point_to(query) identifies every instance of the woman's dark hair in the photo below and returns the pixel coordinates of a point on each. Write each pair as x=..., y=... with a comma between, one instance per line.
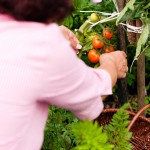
x=37, y=10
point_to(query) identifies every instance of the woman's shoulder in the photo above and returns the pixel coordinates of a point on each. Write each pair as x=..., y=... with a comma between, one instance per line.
x=31, y=28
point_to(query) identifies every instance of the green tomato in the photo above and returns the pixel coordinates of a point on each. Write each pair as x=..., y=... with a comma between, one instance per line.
x=94, y=17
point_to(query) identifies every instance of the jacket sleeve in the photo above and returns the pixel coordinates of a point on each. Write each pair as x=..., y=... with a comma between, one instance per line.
x=69, y=83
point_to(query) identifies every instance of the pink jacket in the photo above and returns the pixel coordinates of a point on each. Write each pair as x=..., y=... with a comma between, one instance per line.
x=38, y=67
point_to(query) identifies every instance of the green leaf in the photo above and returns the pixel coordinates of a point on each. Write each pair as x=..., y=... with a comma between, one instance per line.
x=147, y=6
x=129, y=5
x=68, y=22
x=132, y=14
x=142, y=40
x=87, y=46
x=145, y=34
x=138, y=48
x=80, y=4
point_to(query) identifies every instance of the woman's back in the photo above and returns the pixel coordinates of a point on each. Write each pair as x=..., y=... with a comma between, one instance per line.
x=22, y=55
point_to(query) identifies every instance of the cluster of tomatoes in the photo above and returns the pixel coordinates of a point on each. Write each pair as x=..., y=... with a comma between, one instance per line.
x=101, y=45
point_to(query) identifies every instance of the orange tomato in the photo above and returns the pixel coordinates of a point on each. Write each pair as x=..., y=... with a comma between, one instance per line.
x=109, y=48
x=108, y=33
x=97, y=42
x=93, y=56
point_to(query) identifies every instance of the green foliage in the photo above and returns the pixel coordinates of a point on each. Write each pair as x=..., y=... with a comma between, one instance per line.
x=134, y=9
x=68, y=22
x=90, y=136
x=79, y=5
x=142, y=42
x=58, y=133
x=137, y=9
x=114, y=136
x=105, y=5
x=128, y=12
x=117, y=130
x=134, y=104
x=130, y=79
x=76, y=19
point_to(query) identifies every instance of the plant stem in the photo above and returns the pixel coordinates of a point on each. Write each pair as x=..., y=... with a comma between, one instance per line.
x=84, y=26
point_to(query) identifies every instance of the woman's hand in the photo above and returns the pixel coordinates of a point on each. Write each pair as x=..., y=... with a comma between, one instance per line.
x=118, y=59
x=69, y=35
x=115, y=63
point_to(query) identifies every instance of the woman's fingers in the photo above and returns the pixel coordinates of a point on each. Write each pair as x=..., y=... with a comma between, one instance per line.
x=124, y=54
x=70, y=36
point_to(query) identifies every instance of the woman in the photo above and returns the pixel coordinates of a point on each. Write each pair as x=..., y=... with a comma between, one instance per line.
x=38, y=67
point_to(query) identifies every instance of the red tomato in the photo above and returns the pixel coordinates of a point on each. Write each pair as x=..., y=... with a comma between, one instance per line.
x=98, y=42
x=108, y=33
x=109, y=48
x=93, y=56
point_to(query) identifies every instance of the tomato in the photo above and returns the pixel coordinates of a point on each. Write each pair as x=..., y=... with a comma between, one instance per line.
x=97, y=42
x=109, y=48
x=94, y=17
x=108, y=33
x=93, y=56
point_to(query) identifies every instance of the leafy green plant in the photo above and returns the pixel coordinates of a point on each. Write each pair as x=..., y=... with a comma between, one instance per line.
x=114, y=136
x=90, y=136
x=58, y=134
x=117, y=130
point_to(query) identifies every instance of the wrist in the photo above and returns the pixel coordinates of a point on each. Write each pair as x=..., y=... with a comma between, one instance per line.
x=110, y=67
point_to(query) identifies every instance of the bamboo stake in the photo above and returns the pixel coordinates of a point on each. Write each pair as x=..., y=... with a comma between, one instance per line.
x=140, y=74
x=122, y=83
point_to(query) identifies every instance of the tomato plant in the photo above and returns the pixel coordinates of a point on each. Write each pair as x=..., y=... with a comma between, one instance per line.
x=108, y=33
x=93, y=56
x=98, y=42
